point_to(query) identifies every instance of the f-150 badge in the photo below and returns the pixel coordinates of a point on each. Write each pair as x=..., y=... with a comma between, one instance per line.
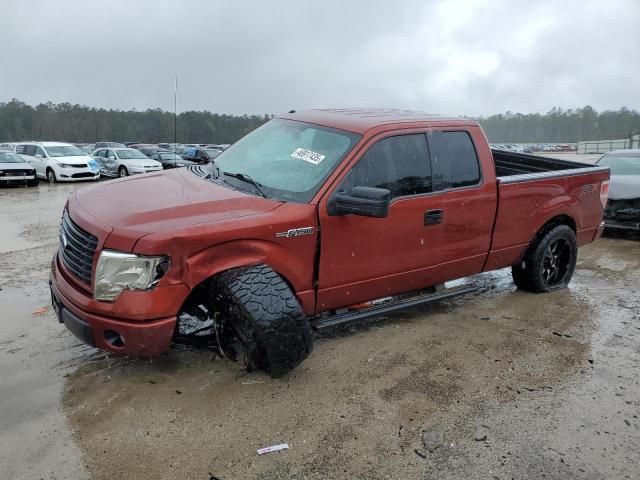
x=295, y=232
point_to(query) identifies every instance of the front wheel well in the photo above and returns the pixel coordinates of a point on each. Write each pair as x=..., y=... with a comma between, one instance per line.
x=198, y=290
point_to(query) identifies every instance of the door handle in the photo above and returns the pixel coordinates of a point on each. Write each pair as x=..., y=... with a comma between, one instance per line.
x=433, y=217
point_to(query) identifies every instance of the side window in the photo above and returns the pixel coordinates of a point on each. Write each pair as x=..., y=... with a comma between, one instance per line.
x=30, y=150
x=399, y=164
x=40, y=151
x=100, y=153
x=111, y=153
x=453, y=159
x=21, y=149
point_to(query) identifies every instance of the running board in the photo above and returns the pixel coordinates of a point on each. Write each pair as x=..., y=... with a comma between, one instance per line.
x=391, y=306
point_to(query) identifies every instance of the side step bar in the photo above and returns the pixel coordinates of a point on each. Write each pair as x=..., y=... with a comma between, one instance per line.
x=391, y=306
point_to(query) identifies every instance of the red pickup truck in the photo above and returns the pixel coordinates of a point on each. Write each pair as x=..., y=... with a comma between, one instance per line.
x=315, y=219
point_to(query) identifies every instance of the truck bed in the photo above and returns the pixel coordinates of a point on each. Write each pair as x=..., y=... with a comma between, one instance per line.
x=531, y=191
x=510, y=164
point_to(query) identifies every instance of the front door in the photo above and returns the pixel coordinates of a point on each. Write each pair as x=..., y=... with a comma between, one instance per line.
x=438, y=227
x=365, y=258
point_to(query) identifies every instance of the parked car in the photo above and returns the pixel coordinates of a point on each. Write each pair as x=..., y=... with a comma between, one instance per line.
x=85, y=147
x=14, y=170
x=59, y=162
x=109, y=145
x=8, y=146
x=200, y=155
x=122, y=162
x=171, y=160
x=313, y=220
x=149, y=150
x=623, y=207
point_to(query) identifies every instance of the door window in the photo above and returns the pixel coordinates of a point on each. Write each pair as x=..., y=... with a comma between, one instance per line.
x=111, y=153
x=29, y=150
x=400, y=164
x=453, y=159
x=40, y=151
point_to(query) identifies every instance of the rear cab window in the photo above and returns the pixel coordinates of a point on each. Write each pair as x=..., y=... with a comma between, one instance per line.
x=454, y=160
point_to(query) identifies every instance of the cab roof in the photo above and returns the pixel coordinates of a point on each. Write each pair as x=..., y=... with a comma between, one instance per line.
x=359, y=120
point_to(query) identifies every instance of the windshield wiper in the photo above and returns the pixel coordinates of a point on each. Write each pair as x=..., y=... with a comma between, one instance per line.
x=246, y=178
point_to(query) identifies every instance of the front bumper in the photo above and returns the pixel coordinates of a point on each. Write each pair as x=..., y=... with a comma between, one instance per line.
x=137, y=171
x=75, y=174
x=17, y=179
x=129, y=336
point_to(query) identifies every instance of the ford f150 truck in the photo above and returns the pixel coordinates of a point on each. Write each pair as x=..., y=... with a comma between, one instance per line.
x=315, y=219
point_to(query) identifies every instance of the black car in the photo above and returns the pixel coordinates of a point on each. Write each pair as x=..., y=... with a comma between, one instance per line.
x=623, y=205
x=171, y=160
x=201, y=155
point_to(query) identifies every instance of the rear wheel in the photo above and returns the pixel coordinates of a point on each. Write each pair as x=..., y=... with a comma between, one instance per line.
x=123, y=172
x=549, y=263
x=51, y=176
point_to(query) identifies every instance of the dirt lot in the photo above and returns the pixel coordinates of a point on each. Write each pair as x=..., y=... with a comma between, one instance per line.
x=519, y=385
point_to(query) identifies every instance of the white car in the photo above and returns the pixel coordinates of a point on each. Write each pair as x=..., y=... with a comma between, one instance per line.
x=122, y=162
x=14, y=170
x=59, y=162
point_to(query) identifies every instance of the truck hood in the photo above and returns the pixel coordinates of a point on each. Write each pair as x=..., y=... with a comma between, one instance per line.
x=624, y=187
x=137, y=206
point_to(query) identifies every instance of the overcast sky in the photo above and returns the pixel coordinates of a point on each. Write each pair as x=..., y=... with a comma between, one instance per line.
x=451, y=56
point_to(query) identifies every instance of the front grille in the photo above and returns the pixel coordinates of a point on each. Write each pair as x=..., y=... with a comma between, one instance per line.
x=83, y=175
x=77, y=249
x=79, y=165
x=14, y=173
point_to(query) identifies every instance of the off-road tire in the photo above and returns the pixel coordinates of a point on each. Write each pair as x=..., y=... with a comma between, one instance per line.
x=267, y=316
x=530, y=274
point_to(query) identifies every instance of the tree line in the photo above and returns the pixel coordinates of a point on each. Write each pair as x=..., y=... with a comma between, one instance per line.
x=82, y=124
x=561, y=126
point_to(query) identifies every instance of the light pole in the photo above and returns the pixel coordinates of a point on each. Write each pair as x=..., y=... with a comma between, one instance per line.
x=175, y=114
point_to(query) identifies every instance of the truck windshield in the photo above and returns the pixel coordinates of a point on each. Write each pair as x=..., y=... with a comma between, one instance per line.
x=288, y=159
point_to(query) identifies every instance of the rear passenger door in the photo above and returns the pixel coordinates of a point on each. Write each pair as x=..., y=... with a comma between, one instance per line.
x=467, y=199
x=28, y=152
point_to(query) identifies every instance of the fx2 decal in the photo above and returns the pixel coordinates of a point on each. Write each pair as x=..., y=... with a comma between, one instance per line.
x=296, y=232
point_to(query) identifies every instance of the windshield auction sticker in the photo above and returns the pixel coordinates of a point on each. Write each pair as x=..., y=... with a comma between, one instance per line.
x=308, y=156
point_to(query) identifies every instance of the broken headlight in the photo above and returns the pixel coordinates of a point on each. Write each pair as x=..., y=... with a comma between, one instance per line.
x=118, y=271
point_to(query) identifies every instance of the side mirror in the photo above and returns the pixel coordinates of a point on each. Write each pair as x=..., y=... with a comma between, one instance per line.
x=112, y=158
x=363, y=201
x=39, y=157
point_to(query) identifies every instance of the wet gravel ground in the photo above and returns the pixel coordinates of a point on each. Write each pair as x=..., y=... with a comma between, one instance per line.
x=516, y=385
